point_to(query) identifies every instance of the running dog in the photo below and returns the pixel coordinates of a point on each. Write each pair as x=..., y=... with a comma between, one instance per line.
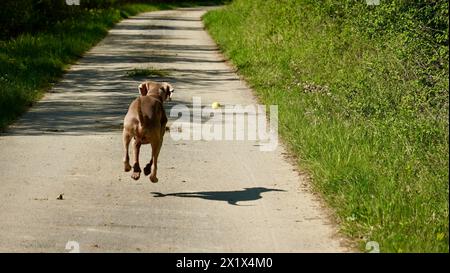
x=146, y=122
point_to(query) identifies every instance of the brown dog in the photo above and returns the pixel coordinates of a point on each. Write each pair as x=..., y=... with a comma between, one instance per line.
x=146, y=121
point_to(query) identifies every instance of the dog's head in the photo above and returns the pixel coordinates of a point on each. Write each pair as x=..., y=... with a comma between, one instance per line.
x=163, y=89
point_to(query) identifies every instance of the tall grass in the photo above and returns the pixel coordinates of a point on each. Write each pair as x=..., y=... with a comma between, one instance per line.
x=366, y=113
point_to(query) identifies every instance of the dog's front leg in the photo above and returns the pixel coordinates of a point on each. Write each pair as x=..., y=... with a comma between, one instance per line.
x=136, y=168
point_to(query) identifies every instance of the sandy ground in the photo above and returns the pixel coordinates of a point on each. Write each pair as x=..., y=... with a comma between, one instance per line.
x=212, y=196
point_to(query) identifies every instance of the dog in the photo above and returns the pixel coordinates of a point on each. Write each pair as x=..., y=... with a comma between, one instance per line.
x=146, y=122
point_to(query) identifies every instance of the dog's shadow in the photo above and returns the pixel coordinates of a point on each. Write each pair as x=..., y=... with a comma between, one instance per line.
x=231, y=197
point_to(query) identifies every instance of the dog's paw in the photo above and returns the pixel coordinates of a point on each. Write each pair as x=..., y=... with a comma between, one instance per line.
x=127, y=167
x=154, y=179
x=136, y=175
x=147, y=169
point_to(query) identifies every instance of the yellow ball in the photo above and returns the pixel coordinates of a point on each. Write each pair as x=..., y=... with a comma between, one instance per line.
x=215, y=105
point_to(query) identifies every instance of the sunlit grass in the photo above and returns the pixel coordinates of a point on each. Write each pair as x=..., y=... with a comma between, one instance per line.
x=352, y=112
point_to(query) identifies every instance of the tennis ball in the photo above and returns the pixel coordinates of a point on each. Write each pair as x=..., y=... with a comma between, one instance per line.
x=215, y=105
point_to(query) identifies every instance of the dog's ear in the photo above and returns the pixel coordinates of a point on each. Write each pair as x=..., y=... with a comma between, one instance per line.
x=165, y=91
x=170, y=90
x=143, y=89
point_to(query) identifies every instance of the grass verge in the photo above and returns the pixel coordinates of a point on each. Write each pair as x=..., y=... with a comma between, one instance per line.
x=356, y=109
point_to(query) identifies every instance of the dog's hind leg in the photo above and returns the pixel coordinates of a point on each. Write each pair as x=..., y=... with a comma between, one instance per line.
x=156, y=147
x=126, y=145
x=136, y=168
x=148, y=167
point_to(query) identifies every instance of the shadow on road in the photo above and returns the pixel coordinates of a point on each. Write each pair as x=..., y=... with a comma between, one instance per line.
x=231, y=197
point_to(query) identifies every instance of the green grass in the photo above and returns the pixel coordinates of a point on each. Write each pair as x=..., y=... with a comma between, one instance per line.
x=356, y=112
x=147, y=72
x=31, y=63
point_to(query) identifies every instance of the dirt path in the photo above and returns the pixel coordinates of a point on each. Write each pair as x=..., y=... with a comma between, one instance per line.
x=211, y=196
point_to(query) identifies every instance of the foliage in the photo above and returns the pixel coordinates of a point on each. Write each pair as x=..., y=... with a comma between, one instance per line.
x=363, y=102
